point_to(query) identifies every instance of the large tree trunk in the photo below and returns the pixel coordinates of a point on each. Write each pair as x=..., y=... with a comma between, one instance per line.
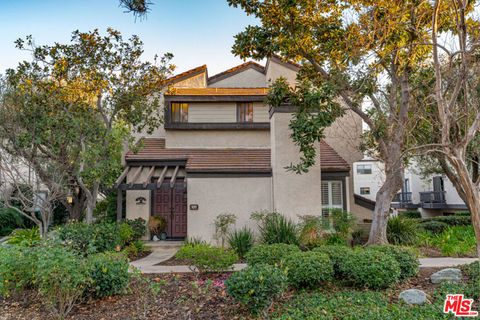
x=394, y=178
x=91, y=202
x=77, y=207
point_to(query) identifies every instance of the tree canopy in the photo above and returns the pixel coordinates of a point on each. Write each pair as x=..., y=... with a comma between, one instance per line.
x=77, y=104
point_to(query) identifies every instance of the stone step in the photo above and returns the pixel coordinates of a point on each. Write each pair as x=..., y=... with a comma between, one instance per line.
x=164, y=244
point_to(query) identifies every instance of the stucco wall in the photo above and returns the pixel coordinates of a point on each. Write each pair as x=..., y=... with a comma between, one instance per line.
x=214, y=196
x=218, y=139
x=344, y=136
x=250, y=78
x=293, y=194
x=276, y=70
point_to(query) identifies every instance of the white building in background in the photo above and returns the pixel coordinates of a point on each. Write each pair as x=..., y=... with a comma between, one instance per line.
x=432, y=196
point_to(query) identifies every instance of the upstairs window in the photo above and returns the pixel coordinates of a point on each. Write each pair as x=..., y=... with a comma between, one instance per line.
x=364, y=169
x=179, y=112
x=365, y=190
x=245, y=112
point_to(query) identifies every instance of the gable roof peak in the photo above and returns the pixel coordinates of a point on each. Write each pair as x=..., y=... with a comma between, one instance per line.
x=188, y=74
x=237, y=69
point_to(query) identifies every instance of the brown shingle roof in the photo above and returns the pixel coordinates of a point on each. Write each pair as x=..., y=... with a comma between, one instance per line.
x=219, y=91
x=206, y=160
x=236, y=69
x=187, y=74
x=227, y=160
x=330, y=160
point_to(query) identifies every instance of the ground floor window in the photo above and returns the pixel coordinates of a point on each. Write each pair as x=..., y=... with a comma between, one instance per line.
x=332, y=196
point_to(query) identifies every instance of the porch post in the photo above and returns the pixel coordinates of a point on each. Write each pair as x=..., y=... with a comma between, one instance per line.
x=119, y=204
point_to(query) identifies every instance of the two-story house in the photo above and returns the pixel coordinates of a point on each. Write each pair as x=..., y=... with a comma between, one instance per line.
x=223, y=150
x=431, y=195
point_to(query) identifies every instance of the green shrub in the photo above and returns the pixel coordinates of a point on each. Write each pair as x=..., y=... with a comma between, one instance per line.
x=109, y=274
x=337, y=255
x=125, y=231
x=206, y=258
x=402, y=231
x=61, y=278
x=434, y=226
x=271, y=254
x=359, y=236
x=17, y=269
x=10, y=219
x=412, y=214
x=455, y=241
x=406, y=258
x=135, y=248
x=24, y=237
x=257, y=286
x=91, y=238
x=276, y=228
x=371, y=269
x=342, y=222
x=106, y=236
x=456, y=220
x=78, y=236
x=463, y=214
x=241, y=241
x=139, y=227
x=308, y=269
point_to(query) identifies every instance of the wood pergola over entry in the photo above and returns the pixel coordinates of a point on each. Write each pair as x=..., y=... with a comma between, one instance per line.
x=168, y=193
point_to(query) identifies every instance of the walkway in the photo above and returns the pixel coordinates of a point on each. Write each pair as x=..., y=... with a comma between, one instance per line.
x=444, y=262
x=165, y=250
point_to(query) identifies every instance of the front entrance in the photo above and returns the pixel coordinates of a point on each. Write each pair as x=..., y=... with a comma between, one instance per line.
x=171, y=204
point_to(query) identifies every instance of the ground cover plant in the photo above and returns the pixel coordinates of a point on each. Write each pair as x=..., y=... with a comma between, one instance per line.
x=206, y=258
x=454, y=241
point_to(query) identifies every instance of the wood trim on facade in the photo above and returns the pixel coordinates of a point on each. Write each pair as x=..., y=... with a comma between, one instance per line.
x=217, y=126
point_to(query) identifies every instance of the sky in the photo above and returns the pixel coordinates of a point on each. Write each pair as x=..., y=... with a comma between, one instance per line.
x=196, y=32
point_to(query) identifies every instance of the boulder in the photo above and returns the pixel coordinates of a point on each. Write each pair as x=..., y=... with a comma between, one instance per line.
x=449, y=274
x=413, y=296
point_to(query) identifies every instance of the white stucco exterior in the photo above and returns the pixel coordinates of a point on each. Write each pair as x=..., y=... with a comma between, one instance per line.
x=210, y=194
x=414, y=183
x=214, y=196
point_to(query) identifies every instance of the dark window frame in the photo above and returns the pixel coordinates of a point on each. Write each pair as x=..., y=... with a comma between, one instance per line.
x=242, y=108
x=362, y=189
x=364, y=169
x=177, y=117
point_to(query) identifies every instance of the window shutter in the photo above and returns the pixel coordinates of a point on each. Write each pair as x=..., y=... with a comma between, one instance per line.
x=337, y=194
x=325, y=200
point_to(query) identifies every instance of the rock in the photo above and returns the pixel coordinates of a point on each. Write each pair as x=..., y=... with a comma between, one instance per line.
x=413, y=296
x=449, y=274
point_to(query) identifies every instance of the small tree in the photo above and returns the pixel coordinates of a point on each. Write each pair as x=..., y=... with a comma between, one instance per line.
x=222, y=223
x=77, y=104
x=29, y=197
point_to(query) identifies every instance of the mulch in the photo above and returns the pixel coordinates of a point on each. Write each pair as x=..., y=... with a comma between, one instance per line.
x=182, y=296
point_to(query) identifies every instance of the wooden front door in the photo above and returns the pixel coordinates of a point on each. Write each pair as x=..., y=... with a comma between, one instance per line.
x=171, y=204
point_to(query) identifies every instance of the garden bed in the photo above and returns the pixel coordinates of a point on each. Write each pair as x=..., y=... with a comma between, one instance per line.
x=183, y=296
